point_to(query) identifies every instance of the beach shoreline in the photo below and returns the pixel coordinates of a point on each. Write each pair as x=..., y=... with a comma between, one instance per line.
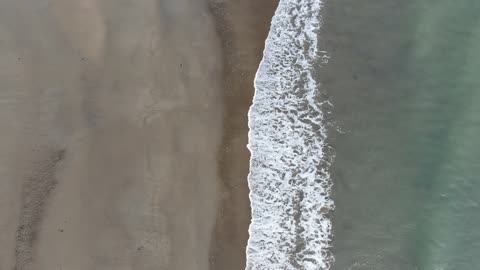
x=242, y=27
x=124, y=133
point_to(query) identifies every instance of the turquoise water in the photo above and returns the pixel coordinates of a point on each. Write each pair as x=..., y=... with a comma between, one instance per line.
x=404, y=77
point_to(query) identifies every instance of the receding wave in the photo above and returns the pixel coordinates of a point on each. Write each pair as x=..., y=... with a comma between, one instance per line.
x=289, y=179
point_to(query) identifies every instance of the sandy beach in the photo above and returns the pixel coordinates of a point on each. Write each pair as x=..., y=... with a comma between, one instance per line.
x=123, y=127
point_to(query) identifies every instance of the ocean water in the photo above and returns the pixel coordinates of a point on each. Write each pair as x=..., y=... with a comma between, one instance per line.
x=398, y=102
x=403, y=78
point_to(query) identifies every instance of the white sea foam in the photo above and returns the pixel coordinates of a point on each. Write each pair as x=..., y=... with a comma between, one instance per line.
x=289, y=179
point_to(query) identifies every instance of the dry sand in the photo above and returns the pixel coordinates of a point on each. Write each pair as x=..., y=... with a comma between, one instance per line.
x=123, y=132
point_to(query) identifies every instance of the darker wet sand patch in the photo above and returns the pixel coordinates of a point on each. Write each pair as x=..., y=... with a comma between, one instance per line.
x=36, y=192
x=242, y=27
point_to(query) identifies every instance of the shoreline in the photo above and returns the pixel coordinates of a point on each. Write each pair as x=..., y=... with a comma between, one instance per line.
x=242, y=50
x=124, y=133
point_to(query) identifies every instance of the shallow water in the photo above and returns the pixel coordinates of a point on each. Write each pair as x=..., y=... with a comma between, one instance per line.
x=403, y=79
x=289, y=184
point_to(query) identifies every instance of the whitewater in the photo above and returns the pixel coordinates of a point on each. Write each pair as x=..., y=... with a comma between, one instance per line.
x=289, y=176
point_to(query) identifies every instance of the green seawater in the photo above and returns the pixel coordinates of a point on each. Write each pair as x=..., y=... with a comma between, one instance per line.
x=404, y=77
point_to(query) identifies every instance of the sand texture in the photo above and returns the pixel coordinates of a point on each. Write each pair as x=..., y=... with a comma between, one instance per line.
x=123, y=130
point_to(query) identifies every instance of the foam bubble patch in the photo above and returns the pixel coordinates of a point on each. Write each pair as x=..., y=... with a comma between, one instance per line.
x=289, y=179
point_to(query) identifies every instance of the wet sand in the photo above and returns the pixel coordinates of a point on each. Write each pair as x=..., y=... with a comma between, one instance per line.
x=242, y=27
x=123, y=132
